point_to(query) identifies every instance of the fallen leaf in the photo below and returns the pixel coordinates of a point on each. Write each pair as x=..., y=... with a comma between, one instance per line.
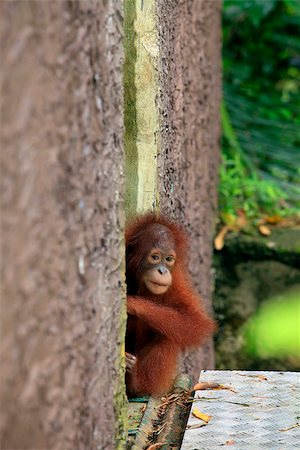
x=215, y=386
x=197, y=413
x=264, y=230
x=230, y=442
x=290, y=428
x=202, y=386
x=273, y=219
x=259, y=377
x=228, y=388
x=219, y=239
x=262, y=378
x=155, y=446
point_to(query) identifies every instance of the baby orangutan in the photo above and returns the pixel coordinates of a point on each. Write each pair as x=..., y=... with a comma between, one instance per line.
x=164, y=312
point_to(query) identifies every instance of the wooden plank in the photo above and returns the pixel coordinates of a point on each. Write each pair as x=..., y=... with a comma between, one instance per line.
x=162, y=419
x=146, y=427
x=135, y=415
x=177, y=414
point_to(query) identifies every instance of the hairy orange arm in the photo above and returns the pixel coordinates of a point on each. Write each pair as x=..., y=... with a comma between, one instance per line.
x=184, y=325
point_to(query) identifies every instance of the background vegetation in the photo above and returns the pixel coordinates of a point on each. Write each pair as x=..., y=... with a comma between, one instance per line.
x=260, y=173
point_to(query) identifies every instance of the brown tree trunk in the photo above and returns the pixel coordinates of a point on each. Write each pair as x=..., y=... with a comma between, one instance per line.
x=62, y=287
x=190, y=82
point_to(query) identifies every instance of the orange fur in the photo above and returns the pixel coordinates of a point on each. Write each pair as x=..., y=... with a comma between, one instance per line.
x=160, y=326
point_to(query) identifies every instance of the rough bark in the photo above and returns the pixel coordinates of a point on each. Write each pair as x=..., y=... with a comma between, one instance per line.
x=62, y=256
x=190, y=81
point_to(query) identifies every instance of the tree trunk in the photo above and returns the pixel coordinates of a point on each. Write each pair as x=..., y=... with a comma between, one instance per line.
x=62, y=299
x=190, y=85
x=172, y=76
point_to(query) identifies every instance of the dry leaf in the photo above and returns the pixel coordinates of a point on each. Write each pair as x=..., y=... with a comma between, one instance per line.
x=228, y=388
x=273, y=219
x=259, y=377
x=197, y=413
x=202, y=386
x=230, y=442
x=291, y=428
x=262, y=377
x=264, y=230
x=155, y=446
x=219, y=239
x=215, y=386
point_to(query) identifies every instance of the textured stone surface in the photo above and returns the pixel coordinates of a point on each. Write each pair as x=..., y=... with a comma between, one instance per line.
x=189, y=101
x=61, y=175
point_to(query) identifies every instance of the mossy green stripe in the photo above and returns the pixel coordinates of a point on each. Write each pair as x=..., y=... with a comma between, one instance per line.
x=141, y=111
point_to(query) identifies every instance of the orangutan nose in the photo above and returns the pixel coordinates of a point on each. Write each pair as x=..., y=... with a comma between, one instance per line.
x=162, y=269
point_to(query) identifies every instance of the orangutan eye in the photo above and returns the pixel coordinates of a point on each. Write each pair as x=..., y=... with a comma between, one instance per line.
x=155, y=257
x=170, y=259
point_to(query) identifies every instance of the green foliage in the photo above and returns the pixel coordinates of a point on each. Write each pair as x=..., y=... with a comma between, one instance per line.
x=240, y=190
x=260, y=112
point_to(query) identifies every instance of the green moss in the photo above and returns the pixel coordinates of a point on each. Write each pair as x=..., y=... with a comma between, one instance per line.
x=130, y=114
x=120, y=399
